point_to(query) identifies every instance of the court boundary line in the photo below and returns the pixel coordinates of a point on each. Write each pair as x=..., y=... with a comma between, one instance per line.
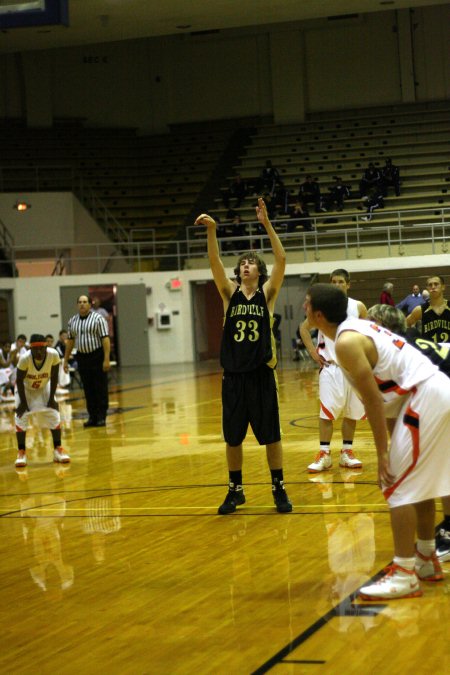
x=350, y=609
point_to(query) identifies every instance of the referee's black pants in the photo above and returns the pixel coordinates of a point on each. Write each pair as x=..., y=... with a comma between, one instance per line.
x=95, y=383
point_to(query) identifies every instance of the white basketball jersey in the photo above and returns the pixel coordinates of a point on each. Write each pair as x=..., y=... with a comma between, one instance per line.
x=38, y=376
x=400, y=366
x=325, y=346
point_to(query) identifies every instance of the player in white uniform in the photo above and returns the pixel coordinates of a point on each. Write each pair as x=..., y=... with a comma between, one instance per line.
x=399, y=384
x=336, y=396
x=37, y=377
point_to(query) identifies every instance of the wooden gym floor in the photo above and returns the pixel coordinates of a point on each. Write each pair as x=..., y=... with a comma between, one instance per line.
x=120, y=563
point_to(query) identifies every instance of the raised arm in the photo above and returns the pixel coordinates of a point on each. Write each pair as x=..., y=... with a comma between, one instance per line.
x=224, y=285
x=273, y=284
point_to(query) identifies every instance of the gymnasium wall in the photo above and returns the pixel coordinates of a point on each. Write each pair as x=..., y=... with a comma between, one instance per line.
x=37, y=303
x=283, y=71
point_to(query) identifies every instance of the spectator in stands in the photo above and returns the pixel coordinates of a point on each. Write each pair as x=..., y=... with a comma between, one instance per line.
x=374, y=200
x=390, y=175
x=225, y=230
x=310, y=193
x=49, y=340
x=337, y=194
x=299, y=217
x=270, y=206
x=412, y=300
x=268, y=179
x=386, y=294
x=237, y=190
x=370, y=180
x=280, y=197
x=238, y=229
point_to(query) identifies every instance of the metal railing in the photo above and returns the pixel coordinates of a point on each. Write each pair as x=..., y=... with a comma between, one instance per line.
x=339, y=244
x=329, y=232
x=64, y=177
x=39, y=178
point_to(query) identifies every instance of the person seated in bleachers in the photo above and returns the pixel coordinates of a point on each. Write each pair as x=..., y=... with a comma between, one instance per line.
x=373, y=200
x=309, y=193
x=268, y=179
x=270, y=206
x=338, y=193
x=370, y=180
x=280, y=197
x=237, y=191
x=390, y=175
x=224, y=229
x=234, y=227
x=299, y=217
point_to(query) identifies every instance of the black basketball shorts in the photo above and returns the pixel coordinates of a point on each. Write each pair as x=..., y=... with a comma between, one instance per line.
x=250, y=398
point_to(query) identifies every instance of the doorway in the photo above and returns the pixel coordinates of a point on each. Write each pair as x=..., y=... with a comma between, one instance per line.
x=289, y=306
x=126, y=310
x=207, y=314
x=7, y=331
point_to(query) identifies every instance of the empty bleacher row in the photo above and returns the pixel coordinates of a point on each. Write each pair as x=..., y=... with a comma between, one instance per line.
x=145, y=182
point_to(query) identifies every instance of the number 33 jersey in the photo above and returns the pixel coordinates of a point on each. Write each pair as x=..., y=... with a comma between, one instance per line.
x=38, y=375
x=247, y=340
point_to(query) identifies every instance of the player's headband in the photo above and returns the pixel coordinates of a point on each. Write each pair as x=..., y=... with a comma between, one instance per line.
x=38, y=344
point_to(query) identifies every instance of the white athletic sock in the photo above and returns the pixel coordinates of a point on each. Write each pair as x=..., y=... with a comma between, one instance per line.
x=406, y=563
x=426, y=546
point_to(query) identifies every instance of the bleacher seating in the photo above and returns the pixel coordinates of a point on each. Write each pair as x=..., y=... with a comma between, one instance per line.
x=147, y=183
x=150, y=184
x=416, y=140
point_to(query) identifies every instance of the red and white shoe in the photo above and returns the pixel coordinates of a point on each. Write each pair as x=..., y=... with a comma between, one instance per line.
x=428, y=568
x=21, y=459
x=397, y=583
x=60, y=455
x=349, y=461
x=321, y=463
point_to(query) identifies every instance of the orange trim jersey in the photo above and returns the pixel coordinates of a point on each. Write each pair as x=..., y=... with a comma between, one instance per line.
x=400, y=367
x=38, y=376
x=325, y=346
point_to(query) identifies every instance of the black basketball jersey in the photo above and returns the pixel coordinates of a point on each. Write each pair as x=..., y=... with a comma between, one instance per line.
x=438, y=354
x=435, y=327
x=247, y=340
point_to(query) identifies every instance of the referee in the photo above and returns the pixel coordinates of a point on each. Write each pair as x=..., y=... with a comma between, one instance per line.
x=88, y=330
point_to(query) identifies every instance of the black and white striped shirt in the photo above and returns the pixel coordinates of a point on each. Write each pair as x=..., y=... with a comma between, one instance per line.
x=87, y=331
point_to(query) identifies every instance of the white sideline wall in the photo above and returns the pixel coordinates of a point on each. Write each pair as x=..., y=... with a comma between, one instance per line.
x=37, y=299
